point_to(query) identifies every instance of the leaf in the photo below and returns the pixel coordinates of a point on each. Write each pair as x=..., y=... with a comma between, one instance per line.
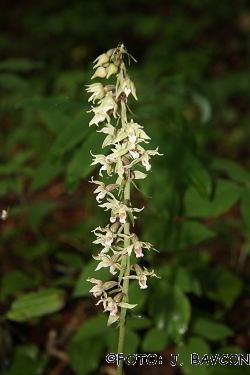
x=12, y=82
x=36, y=304
x=186, y=234
x=20, y=65
x=83, y=287
x=230, y=355
x=71, y=260
x=234, y=171
x=197, y=175
x=226, y=195
x=26, y=360
x=13, y=283
x=180, y=276
x=194, y=347
x=137, y=324
x=85, y=356
x=155, y=340
x=37, y=211
x=79, y=166
x=71, y=135
x=173, y=315
x=54, y=120
x=210, y=329
x=45, y=172
x=224, y=286
x=245, y=207
x=87, y=345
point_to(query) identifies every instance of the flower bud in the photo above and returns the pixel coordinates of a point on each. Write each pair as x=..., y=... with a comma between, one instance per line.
x=112, y=69
x=110, y=52
x=102, y=59
x=100, y=72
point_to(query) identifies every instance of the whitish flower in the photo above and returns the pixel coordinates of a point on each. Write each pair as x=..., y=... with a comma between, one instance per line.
x=101, y=287
x=106, y=239
x=106, y=162
x=106, y=104
x=127, y=87
x=98, y=91
x=111, y=305
x=102, y=190
x=141, y=275
x=107, y=261
x=99, y=117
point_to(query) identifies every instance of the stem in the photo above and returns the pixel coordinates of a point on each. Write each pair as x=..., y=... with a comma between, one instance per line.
x=125, y=286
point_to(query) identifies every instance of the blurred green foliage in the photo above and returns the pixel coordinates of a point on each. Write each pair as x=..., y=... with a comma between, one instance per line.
x=192, y=80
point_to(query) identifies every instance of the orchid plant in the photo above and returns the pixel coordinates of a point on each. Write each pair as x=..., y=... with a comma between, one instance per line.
x=124, y=162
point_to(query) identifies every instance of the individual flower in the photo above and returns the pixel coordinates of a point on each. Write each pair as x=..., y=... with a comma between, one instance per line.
x=99, y=117
x=106, y=104
x=107, y=261
x=106, y=239
x=100, y=72
x=102, y=190
x=111, y=304
x=127, y=87
x=98, y=91
x=100, y=287
x=141, y=275
x=106, y=162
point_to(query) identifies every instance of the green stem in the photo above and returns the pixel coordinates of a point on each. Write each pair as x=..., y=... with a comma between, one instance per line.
x=125, y=286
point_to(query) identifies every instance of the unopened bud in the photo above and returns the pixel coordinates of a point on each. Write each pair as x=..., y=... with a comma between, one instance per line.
x=100, y=72
x=112, y=69
x=110, y=52
x=101, y=60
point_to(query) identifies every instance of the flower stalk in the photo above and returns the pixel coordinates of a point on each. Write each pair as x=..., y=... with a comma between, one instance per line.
x=126, y=162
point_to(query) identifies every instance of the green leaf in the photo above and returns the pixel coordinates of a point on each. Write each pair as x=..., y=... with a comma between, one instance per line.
x=210, y=329
x=155, y=340
x=71, y=135
x=230, y=355
x=234, y=171
x=46, y=172
x=13, y=283
x=36, y=304
x=186, y=234
x=179, y=276
x=26, y=361
x=94, y=327
x=193, y=347
x=137, y=324
x=197, y=175
x=54, y=120
x=20, y=65
x=85, y=356
x=83, y=287
x=71, y=260
x=12, y=82
x=87, y=345
x=226, y=195
x=245, y=207
x=37, y=211
x=173, y=315
x=223, y=286
x=79, y=166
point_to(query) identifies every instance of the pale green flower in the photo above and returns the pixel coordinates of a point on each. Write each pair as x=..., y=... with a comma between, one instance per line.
x=107, y=261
